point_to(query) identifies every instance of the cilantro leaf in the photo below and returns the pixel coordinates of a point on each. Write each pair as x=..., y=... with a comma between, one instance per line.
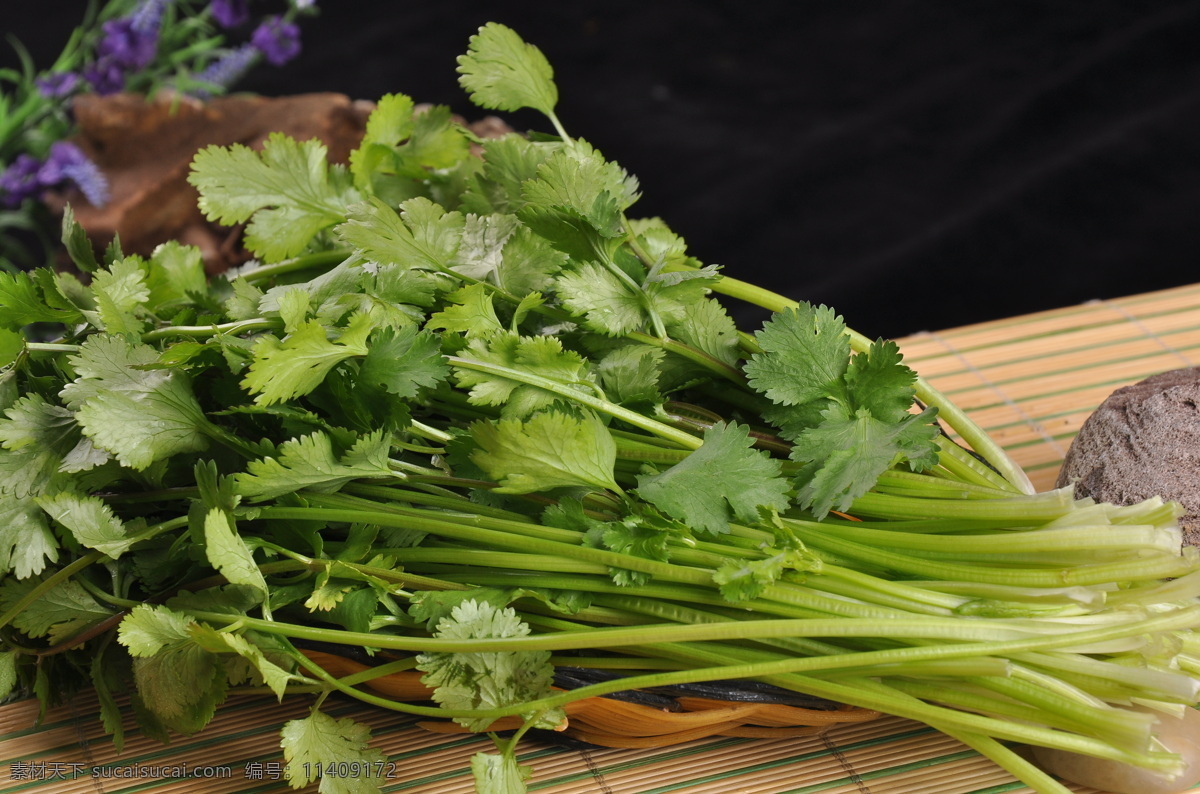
x=805, y=354
x=229, y=554
x=846, y=453
x=501, y=72
x=284, y=192
x=849, y=418
x=470, y=312
x=178, y=681
x=22, y=303
x=423, y=235
x=90, y=521
x=404, y=361
x=486, y=680
x=318, y=741
x=34, y=435
x=26, y=542
x=139, y=415
x=630, y=374
x=507, y=163
x=481, y=253
x=742, y=580
x=283, y=370
x=550, y=450
x=499, y=773
x=389, y=123
x=120, y=292
x=213, y=641
x=722, y=480
x=60, y=613
x=541, y=356
x=174, y=271
x=308, y=462
x=605, y=302
x=8, y=673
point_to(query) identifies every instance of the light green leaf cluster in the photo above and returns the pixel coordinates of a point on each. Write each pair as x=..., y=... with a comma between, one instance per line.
x=137, y=414
x=502, y=72
x=287, y=368
x=723, y=480
x=541, y=357
x=284, y=192
x=59, y=614
x=309, y=462
x=487, y=679
x=848, y=417
x=320, y=742
x=551, y=449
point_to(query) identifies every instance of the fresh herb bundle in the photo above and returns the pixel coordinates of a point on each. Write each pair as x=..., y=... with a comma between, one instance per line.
x=464, y=408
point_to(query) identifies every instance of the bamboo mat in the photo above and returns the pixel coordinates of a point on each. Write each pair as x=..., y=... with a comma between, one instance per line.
x=1029, y=381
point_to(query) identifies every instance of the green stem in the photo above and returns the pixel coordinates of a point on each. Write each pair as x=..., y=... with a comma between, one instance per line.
x=48, y=584
x=685, y=440
x=299, y=263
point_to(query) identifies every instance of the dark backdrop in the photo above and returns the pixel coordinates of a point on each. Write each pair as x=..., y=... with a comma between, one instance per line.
x=917, y=165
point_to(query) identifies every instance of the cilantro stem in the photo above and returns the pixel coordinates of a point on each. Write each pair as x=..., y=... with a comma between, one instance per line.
x=195, y=331
x=299, y=263
x=51, y=347
x=685, y=440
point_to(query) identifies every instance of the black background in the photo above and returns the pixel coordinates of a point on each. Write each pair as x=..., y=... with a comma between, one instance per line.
x=917, y=165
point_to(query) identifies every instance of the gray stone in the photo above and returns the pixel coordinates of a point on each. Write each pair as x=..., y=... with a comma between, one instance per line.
x=1143, y=441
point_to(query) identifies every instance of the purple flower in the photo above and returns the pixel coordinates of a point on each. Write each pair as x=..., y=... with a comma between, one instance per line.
x=230, y=13
x=277, y=39
x=226, y=70
x=57, y=84
x=20, y=180
x=146, y=19
x=67, y=163
x=105, y=76
x=124, y=46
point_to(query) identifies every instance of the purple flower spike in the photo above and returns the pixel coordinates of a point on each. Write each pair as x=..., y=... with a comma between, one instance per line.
x=146, y=20
x=57, y=85
x=20, y=180
x=230, y=13
x=105, y=76
x=277, y=39
x=125, y=46
x=67, y=163
x=227, y=70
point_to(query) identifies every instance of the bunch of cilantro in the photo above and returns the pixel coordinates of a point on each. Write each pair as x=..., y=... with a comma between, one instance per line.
x=464, y=412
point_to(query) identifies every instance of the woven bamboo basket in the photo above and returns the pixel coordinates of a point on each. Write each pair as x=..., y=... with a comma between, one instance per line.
x=657, y=719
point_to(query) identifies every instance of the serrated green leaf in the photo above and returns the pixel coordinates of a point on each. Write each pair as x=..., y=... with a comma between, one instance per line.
x=805, y=354
x=309, y=463
x=229, y=554
x=404, y=361
x=121, y=294
x=502, y=72
x=846, y=454
x=34, y=437
x=61, y=612
x=8, y=673
x=423, y=235
x=284, y=370
x=22, y=303
x=76, y=243
x=481, y=252
x=470, y=312
x=284, y=192
x=174, y=270
x=542, y=356
x=390, y=122
x=139, y=415
x=487, y=680
x=273, y=676
x=724, y=479
x=630, y=374
x=549, y=450
x=26, y=542
x=90, y=521
x=604, y=302
x=499, y=773
x=318, y=741
x=508, y=162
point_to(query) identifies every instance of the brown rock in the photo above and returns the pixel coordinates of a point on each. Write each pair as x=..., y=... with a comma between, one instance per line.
x=1143, y=441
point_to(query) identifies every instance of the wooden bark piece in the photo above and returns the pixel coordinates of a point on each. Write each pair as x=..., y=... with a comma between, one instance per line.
x=145, y=148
